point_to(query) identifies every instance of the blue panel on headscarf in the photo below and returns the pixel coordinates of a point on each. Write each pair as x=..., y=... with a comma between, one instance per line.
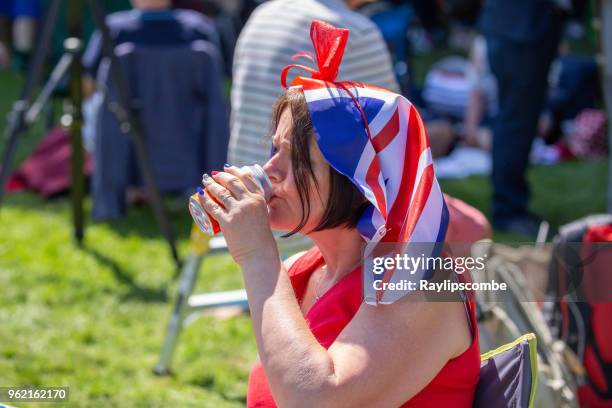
x=340, y=121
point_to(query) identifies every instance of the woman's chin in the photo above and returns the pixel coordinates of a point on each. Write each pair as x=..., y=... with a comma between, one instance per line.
x=279, y=224
x=276, y=215
x=275, y=222
x=280, y=219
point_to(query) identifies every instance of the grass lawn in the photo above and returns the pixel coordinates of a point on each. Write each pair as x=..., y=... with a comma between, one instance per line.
x=93, y=318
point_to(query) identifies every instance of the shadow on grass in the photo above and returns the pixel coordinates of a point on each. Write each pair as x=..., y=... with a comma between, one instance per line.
x=239, y=399
x=135, y=292
x=141, y=221
x=32, y=201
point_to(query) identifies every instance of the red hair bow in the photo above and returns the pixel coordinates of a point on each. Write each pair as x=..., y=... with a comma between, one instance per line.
x=328, y=42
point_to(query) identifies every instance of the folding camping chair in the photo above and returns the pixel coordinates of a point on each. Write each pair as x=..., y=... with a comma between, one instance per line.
x=509, y=375
x=505, y=315
x=188, y=306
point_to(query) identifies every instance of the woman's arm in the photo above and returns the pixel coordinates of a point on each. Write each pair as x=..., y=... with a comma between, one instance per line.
x=385, y=355
x=295, y=363
x=297, y=366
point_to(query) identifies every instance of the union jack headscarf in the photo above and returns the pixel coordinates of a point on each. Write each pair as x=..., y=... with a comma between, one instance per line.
x=377, y=139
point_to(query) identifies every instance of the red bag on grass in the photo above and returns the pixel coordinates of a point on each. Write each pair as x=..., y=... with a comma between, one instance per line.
x=47, y=170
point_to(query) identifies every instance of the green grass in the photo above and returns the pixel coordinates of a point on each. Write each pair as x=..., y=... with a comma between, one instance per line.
x=559, y=193
x=93, y=318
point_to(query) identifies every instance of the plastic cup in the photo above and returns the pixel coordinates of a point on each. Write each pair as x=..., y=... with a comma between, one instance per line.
x=206, y=222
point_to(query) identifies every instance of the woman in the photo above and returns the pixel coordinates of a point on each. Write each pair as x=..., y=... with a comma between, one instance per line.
x=319, y=344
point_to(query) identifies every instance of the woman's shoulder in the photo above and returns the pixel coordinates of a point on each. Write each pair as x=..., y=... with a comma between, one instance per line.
x=450, y=320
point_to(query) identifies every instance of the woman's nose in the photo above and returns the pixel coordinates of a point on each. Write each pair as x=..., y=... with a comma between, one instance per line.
x=272, y=170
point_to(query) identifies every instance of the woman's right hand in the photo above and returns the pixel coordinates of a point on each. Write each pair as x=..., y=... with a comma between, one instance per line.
x=242, y=213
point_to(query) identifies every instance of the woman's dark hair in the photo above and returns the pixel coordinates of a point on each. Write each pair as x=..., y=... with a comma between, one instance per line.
x=345, y=203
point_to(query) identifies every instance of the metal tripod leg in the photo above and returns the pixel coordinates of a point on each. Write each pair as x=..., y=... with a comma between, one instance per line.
x=128, y=119
x=16, y=123
x=28, y=114
x=23, y=115
x=74, y=46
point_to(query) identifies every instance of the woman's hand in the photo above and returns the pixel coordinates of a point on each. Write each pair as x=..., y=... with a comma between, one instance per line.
x=241, y=211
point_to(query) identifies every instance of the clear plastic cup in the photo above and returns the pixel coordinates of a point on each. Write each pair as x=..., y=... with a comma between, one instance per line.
x=206, y=222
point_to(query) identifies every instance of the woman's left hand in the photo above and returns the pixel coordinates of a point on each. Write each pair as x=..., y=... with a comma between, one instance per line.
x=242, y=214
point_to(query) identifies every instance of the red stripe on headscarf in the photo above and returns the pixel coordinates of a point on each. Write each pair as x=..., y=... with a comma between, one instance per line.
x=418, y=204
x=372, y=179
x=401, y=220
x=416, y=143
x=388, y=133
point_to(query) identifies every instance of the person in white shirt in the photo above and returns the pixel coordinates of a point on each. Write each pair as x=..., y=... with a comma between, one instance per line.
x=276, y=31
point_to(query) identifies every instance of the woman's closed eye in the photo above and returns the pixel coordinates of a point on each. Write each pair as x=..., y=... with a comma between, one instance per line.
x=279, y=147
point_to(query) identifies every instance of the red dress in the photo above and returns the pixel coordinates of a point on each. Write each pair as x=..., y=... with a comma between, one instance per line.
x=455, y=384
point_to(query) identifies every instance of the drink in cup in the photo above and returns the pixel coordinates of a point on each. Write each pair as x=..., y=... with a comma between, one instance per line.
x=206, y=222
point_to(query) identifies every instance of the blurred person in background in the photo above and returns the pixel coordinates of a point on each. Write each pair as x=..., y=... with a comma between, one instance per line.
x=156, y=34
x=276, y=31
x=19, y=20
x=522, y=39
x=482, y=103
x=151, y=22
x=226, y=16
x=5, y=43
